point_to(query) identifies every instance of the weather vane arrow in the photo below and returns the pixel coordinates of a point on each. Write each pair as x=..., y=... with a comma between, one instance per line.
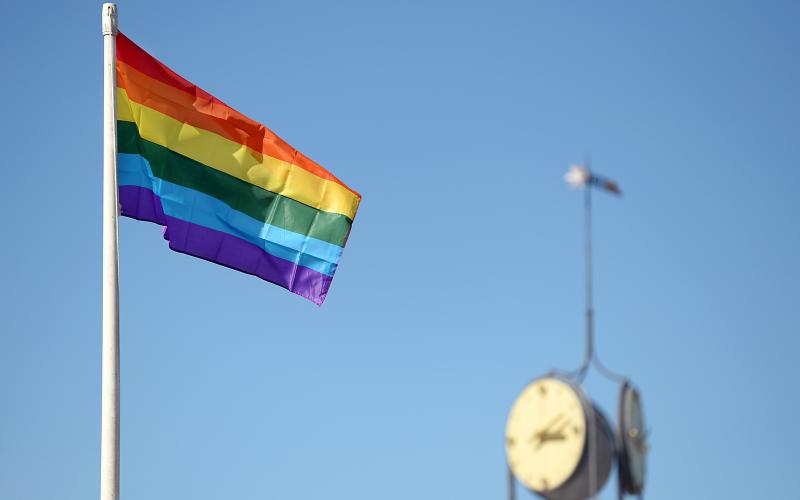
x=579, y=176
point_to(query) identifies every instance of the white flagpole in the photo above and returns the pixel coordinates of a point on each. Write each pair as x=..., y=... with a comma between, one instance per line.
x=109, y=448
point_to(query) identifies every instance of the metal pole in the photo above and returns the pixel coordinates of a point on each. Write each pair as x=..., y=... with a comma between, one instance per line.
x=588, y=256
x=591, y=448
x=587, y=209
x=512, y=485
x=587, y=228
x=109, y=448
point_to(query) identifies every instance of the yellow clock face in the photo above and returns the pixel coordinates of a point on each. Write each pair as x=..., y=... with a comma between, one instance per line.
x=545, y=434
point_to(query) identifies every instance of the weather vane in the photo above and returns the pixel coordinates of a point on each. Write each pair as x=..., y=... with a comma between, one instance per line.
x=559, y=443
x=581, y=177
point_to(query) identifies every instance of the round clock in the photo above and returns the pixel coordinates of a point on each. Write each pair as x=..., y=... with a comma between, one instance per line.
x=632, y=440
x=547, y=444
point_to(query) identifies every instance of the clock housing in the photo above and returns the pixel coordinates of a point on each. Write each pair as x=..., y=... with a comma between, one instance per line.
x=631, y=440
x=548, y=436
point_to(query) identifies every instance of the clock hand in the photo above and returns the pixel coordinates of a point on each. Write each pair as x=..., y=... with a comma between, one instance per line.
x=563, y=427
x=553, y=421
x=640, y=441
x=549, y=436
x=556, y=436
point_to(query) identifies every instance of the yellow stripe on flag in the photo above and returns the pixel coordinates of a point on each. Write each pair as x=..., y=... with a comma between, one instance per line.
x=237, y=160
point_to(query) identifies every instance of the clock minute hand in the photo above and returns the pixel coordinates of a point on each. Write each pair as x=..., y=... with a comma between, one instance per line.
x=544, y=430
x=563, y=426
x=553, y=421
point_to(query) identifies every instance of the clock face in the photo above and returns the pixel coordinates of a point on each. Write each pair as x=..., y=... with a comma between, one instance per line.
x=546, y=434
x=634, y=438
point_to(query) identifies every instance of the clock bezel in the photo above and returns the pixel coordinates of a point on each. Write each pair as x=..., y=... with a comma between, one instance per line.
x=629, y=395
x=577, y=393
x=578, y=481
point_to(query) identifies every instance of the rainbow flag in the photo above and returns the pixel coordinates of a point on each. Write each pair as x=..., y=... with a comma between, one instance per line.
x=226, y=188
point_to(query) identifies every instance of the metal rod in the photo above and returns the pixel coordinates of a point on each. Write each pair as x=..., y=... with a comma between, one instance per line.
x=587, y=209
x=591, y=449
x=591, y=351
x=512, y=485
x=587, y=232
x=109, y=447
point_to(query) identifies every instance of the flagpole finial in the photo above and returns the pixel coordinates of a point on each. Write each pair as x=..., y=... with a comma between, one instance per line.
x=109, y=19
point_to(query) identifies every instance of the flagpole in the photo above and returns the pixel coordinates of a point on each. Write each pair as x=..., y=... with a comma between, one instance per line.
x=109, y=448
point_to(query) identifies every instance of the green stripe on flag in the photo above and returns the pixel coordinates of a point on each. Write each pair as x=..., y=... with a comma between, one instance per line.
x=254, y=201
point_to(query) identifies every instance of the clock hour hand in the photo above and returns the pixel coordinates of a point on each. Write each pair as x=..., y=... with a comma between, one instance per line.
x=553, y=421
x=547, y=434
x=550, y=436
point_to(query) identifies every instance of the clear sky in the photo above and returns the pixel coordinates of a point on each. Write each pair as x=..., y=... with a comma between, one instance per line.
x=462, y=279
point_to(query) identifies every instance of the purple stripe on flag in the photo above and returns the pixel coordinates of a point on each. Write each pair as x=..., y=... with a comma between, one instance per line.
x=222, y=248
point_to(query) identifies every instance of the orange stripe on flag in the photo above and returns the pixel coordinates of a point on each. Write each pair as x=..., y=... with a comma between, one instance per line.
x=147, y=81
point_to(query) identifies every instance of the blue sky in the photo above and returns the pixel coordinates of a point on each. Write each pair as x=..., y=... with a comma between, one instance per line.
x=462, y=279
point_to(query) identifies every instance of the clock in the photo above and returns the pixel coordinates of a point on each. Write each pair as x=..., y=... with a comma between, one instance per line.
x=631, y=440
x=552, y=432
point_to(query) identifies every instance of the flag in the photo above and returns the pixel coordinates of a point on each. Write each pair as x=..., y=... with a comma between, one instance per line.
x=225, y=187
x=580, y=176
